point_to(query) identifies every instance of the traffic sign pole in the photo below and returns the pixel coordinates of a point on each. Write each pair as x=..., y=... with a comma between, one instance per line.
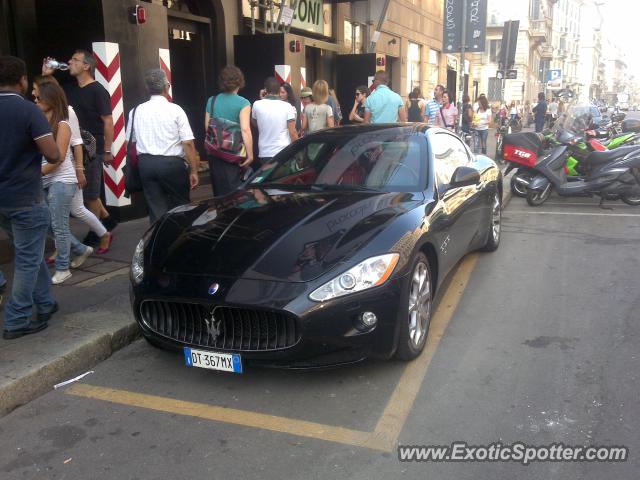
x=463, y=40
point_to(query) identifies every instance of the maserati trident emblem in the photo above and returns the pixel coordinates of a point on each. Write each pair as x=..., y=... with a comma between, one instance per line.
x=214, y=288
x=213, y=325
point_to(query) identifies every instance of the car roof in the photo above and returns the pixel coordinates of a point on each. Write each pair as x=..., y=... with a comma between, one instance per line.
x=356, y=129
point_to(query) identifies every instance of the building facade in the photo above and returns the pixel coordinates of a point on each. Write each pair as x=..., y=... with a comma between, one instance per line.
x=566, y=40
x=617, y=79
x=193, y=39
x=533, y=54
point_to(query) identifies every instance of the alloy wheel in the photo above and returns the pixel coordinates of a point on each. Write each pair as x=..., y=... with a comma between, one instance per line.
x=419, y=305
x=496, y=218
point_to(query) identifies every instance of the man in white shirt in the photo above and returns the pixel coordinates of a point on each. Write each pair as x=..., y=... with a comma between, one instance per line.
x=163, y=139
x=275, y=120
x=552, y=111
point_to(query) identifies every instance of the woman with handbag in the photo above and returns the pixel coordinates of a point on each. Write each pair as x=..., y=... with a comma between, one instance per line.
x=167, y=158
x=228, y=141
x=78, y=209
x=59, y=180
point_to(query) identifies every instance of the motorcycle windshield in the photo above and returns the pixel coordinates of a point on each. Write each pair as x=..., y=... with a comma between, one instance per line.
x=575, y=120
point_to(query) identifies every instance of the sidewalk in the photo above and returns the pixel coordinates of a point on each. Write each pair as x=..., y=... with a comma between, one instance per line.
x=93, y=322
x=94, y=319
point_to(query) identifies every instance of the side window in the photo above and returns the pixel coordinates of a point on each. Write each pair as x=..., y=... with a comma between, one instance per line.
x=449, y=153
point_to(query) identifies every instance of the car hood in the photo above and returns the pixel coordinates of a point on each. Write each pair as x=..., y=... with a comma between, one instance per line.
x=293, y=236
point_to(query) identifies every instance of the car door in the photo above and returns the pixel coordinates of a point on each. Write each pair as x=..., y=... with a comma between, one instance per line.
x=449, y=153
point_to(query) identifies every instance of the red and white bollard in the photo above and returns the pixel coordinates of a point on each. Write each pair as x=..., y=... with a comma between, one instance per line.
x=108, y=74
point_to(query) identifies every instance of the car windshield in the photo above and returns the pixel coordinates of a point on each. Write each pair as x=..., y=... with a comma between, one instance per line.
x=393, y=159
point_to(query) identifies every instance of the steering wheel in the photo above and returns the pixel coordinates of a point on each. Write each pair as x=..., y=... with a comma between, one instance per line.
x=414, y=174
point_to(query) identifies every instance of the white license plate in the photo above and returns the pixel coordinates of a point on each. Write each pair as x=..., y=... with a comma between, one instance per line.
x=226, y=362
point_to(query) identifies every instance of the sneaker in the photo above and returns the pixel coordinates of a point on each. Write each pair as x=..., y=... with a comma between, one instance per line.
x=60, y=276
x=31, y=328
x=80, y=259
x=91, y=239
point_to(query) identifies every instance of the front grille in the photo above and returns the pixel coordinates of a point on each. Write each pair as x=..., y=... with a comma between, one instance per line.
x=231, y=328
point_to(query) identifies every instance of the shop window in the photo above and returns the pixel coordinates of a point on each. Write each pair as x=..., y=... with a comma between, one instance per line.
x=413, y=67
x=352, y=33
x=495, y=89
x=434, y=68
x=494, y=50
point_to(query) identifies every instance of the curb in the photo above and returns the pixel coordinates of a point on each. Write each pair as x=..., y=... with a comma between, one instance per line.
x=40, y=381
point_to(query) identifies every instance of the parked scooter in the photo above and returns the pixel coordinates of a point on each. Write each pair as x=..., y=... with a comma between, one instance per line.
x=613, y=175
x=520, y=151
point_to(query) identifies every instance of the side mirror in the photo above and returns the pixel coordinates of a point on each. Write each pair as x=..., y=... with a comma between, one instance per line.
x=463, y=176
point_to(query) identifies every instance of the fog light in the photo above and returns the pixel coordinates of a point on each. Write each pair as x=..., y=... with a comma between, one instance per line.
x=368, y=319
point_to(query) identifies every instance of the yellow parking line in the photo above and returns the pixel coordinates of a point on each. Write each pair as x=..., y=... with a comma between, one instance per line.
x=220, y=414
x=388, y=428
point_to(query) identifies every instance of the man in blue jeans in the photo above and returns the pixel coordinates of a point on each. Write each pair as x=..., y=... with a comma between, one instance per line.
x=25, y=137
x=3, y=286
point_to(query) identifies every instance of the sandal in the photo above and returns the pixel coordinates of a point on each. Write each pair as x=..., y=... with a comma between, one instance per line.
x=103, y=250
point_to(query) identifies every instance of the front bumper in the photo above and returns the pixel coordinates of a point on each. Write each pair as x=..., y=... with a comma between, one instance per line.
x=328, y=333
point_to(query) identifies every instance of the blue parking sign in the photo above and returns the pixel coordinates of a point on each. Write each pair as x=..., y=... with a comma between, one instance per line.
x=554, y=75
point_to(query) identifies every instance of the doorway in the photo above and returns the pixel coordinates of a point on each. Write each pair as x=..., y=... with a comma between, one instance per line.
x=452, y=77
x=191, y=74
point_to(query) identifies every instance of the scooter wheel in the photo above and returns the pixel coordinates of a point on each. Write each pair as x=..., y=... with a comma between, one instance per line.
x=634, y=201
x=535, y=198
x=518, y=189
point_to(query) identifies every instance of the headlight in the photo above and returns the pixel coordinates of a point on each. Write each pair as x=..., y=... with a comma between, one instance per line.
x=370, y=273
x=137, y=263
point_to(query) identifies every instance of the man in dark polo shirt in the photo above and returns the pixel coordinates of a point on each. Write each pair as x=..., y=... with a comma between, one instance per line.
x=25, y=137
x=92, y=104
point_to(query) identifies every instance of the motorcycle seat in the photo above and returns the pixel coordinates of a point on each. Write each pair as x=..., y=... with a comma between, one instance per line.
x=598, y=158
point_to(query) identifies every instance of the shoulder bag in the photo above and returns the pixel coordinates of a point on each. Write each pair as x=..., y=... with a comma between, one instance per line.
x=132, y=180
x=223, y=138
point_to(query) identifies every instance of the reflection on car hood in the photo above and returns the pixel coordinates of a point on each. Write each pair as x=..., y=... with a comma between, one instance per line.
x=273, y=234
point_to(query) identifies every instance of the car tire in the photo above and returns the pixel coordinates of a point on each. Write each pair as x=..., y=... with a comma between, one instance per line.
x=416, y=316
x=495, y=225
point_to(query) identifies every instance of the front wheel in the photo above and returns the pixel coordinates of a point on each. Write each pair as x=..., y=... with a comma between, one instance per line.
x=416, y=319
x=517, y=188
x=633, y=200
x=495, y=225
x=535, y=198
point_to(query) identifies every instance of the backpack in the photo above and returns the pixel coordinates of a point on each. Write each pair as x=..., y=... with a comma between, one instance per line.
x=415, y=113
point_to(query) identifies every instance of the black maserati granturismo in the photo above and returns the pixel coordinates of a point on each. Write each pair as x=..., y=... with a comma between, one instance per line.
x=329, y=254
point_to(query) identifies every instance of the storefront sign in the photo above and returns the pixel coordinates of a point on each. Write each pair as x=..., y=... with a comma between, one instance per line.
x=475, y=25
x=309, y=16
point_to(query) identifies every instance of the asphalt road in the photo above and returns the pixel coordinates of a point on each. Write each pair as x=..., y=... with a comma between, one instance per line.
x=542, y=348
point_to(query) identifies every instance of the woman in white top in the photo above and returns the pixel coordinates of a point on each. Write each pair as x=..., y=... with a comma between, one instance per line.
x=481, y=119
x=318, y=115
x=59, y=180
x=78, y=209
